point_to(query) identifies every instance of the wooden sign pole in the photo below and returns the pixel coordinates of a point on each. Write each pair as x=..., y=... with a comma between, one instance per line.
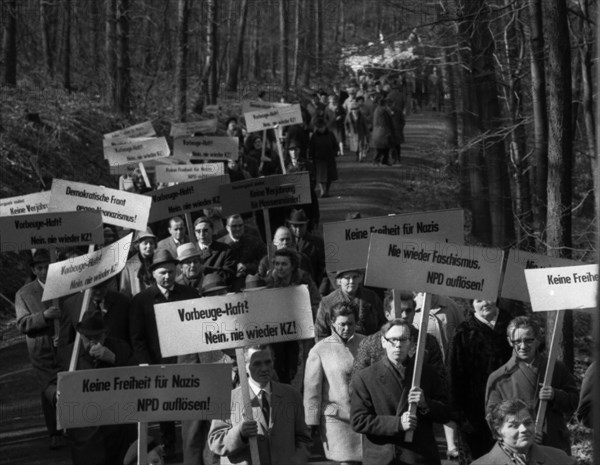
x=142, y=444
x=268, y=236
x=190, y=227
x=145, y=175
x=55, y=302
x=84, y=307
x=419, y=355
x=552, y=354
x=278, y=136
x=241, y=364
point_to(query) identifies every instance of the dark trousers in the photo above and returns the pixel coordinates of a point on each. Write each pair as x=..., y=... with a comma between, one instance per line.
x=49, y=411
x=382, y=156
x=195, y=443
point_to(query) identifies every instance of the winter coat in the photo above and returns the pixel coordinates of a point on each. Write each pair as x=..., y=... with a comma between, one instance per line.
x=322, y=151
x=383, y=129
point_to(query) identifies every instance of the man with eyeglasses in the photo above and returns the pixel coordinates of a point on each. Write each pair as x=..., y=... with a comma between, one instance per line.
x=522, y=376
x=380, y=398
x=191, y=266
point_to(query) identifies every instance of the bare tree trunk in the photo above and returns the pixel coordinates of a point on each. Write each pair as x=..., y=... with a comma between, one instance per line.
x=234, y=67
x=44, y=26
x=343, y=23
x=560, y=150
x=110, y=51
x=123, y=87
x=180, y=104
x=67, y=47
x=225, y=59
x=283, y=44
x=297, y=41
x=318, y=37
x=9, y=44
x=540, y=114
x=95, y=37
x=210, y=64
x=256, y=65
x=307, y=60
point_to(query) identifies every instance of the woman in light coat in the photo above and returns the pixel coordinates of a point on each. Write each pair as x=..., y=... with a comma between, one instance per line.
x=326, y=388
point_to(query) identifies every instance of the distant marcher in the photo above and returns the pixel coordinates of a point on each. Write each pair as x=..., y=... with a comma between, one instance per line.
x=357, y=132
x=322, y=150
x=284, y=239
x=297, y=164
x=585, y=412
x=327, y=390
x=513, y=426
x=334, y=119
x=522, y=378
x=309, y=244
x=382, y=137
x=136, y=275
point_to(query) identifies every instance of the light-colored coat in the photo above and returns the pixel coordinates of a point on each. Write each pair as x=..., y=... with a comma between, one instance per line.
x=129, y=282
x=288, y=439
x=327, y=396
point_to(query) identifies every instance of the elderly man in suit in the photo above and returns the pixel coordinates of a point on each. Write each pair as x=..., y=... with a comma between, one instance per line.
x=36, y=319
x=279, y=425
x=176, y=236
x=144, y=333
x=380, y=398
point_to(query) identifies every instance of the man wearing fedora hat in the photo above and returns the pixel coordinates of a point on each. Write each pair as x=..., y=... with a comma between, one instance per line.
x=192, y=268
x=310, y=245
x=246, y=250
x=106, y=444
x=144, y=334
x=136, y=275
x=35, y=319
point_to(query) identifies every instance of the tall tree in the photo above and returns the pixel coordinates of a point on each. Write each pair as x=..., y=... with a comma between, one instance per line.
x=297, y=41
x=9, y=44
x=209, y=76
x=123, y=88
x=318, y=42
x=45, y=33
x=256, y=63
x=560, y=149
x=283, y=44
x=180, y=104
x=110, y=50
x=67, y=47
x=234, y=67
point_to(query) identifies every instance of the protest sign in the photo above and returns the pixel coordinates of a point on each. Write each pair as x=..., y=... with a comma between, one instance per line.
x=119, y=208
x=437, y=267
x=208, y=126
x=563, y=288
x=79, y=273
x=25, y=204
x=260, y=120
x=254, y=105
x=234, y=320
x=268, y=192
x=144, y=129
x=143, y=393
x=185, y=197
x=347, y=242
x=206, y=148
x=187, y=172
x=50, y=230
x=106, y=143
x=514, y=285
x=133, y=152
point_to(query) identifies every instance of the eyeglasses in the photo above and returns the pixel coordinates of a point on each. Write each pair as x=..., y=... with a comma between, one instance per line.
x=396, y=341
x=526, y=341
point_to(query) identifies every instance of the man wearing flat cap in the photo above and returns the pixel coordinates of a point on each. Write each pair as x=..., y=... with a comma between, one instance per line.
x=36, y=319
x=216, y=256
x=144, y=334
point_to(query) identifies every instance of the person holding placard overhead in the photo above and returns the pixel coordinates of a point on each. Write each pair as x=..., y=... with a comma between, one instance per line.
x=522, y=378
x=278, y=413
x=36, y=319
x=380, y=397
x=478, y=348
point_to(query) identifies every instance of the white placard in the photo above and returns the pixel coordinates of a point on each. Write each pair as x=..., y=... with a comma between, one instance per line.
x=563, y=288
x=260, y=120
x=211, y=148
x=439, y=267
x=133, y=152
x=133, y=394
x=347, y=242
x=234, y=320
x=144, y=129
x=25, y=204
x=254, y=105
x=85, y=271
x=188, y=172
x=514, y=285
x=208, y=126
x=267, y=192
x=60, y=229
x=120, y=208
x=186, y=197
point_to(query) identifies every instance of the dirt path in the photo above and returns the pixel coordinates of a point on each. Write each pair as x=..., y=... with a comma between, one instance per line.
x=418, y=183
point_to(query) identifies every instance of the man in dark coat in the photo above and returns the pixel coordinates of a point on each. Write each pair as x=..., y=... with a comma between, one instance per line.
x=144, y=334
x=215, y=256
x=176, y=237
x=379, y=404
x=310, y=245
x=246, y=250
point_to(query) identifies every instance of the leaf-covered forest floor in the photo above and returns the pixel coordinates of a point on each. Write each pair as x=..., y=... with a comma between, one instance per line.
x=66, y=142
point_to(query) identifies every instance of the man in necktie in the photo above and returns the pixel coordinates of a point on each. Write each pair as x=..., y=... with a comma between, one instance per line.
x=278, y=422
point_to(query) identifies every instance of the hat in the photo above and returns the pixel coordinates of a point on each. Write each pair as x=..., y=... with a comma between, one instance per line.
x=139, y=235
x=92, y=324
x=293, y=144
x=202, y=219
x=40, y=256
x=340, y=273
x=254, y=282
x=298, y=217
x=162, y=256
x=212, y=282
x=186, y=251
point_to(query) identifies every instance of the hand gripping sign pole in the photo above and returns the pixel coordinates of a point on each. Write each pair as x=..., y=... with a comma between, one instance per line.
x=419, y=355
x=245, y=387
